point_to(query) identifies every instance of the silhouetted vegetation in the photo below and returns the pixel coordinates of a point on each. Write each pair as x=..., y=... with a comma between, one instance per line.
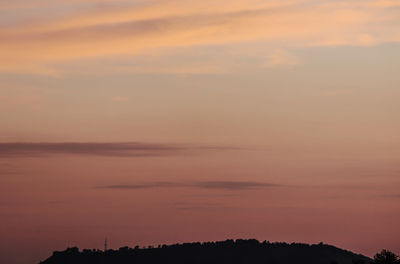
x=386, y=257
x=229, y=251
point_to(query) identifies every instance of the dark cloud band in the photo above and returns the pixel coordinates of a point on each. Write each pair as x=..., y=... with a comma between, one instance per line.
x=219, y=185
x=114, y=149
x=124, y=149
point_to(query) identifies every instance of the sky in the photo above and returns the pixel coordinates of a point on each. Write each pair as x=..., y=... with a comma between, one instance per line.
x=162, y=121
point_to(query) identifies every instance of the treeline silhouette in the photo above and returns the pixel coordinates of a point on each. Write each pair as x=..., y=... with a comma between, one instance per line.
x=386, y=257
x=229, y=251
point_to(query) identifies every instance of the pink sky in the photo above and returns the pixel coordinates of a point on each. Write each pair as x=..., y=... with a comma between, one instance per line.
x=152, y=122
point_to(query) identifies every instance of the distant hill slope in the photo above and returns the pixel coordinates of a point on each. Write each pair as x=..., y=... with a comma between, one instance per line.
x=229, y=251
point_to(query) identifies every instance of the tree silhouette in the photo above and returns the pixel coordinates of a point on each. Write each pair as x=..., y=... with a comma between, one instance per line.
x=386, y=257
x=231, y=251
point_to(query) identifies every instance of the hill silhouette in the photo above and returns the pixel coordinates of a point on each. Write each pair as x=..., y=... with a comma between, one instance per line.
x=229, y=251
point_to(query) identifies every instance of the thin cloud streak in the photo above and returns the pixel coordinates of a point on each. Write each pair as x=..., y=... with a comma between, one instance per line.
x=129, y=149
x=116, y=149
x=234, y=185
x=141, y=186
x=217, y=185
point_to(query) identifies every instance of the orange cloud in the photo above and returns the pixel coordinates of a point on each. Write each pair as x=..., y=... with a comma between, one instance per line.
x=162, y=25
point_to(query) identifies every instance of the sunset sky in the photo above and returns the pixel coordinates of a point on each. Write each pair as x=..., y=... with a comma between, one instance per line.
x=165, y=121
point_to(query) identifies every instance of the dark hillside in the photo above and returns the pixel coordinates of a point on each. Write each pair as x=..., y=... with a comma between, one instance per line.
x=229, y=251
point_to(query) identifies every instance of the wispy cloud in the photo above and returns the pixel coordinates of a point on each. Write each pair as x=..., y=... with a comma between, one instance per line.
x=218, y=185
x=234, y=185
x=115, y=149
x=142, y=185
x=128, y=149
x=161, y=25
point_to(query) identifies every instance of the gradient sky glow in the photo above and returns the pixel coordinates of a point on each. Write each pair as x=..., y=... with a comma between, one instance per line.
x=157, y=121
